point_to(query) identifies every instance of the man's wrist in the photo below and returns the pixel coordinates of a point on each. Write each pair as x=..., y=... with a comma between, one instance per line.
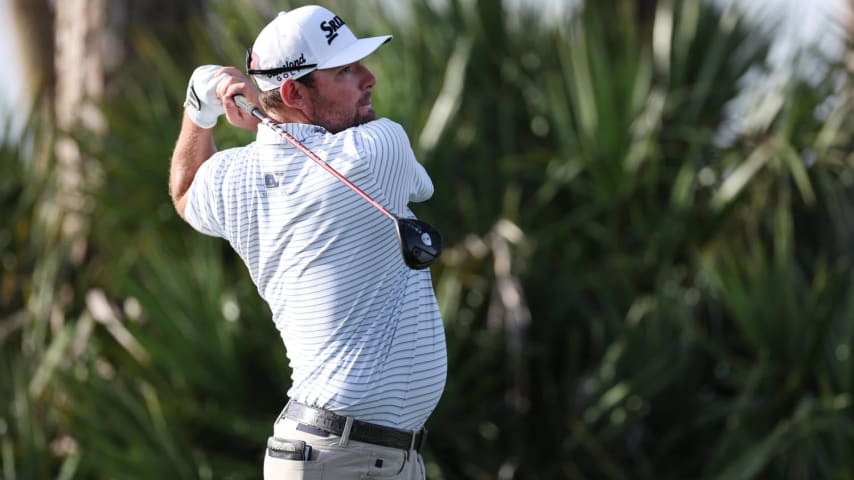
x=192, y=124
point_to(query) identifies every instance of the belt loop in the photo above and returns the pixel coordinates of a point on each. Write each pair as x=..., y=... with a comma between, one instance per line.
x=345, y=435
x=282, y=414
x=419, y=438
x=412, y=440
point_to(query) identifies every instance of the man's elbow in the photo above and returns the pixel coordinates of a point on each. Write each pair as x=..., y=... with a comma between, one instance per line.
x=180, y=204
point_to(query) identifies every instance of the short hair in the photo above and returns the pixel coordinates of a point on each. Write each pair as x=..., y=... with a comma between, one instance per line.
x=271, y=100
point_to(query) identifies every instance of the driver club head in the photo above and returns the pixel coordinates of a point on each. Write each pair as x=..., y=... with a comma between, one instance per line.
x=420, y=242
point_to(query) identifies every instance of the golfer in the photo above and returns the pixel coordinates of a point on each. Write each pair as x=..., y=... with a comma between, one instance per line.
x=361, y=330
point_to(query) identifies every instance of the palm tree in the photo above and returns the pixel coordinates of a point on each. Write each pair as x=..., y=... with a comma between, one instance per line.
x=72, y=51
x=626, y=295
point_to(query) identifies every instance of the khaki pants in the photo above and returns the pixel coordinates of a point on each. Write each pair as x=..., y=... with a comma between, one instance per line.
x=331, y=461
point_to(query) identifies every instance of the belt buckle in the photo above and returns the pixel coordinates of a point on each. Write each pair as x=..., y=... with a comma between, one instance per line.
x=418, y=439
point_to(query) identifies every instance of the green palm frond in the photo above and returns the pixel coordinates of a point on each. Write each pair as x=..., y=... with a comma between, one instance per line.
x=636, y=285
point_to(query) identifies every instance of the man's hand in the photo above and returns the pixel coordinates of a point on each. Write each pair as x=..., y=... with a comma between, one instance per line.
x=209, y=95
x=237, y=84
x=202, y=104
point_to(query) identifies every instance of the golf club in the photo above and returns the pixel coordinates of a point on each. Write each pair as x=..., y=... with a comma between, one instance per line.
x=420, y=243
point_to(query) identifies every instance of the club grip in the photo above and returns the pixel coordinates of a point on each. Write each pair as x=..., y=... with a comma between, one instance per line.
x=244, y=104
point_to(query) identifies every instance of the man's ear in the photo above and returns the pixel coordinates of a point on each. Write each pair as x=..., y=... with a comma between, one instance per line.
x=292, y=94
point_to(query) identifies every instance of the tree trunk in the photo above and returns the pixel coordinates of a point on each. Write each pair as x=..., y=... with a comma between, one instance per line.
x=850, y=39
x=79, y=66
x=33, y=24
x=70, y=50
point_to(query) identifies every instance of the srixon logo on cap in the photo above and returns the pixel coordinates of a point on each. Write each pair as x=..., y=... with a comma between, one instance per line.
x=331, y=28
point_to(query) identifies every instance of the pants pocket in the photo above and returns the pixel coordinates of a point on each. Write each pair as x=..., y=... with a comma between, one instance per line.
x=285, y=459
x=388, y=465
x=283, y=469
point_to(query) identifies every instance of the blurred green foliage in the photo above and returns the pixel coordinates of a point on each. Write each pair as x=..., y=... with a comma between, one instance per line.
x=627, y=292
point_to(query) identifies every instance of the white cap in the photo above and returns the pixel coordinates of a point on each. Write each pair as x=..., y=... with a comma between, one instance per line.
x=300, y=41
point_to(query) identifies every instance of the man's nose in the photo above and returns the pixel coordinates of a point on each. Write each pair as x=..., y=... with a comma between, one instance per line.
x=368, y=78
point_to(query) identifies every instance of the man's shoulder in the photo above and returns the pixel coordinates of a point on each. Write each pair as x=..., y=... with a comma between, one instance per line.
x=380, y=126
x=234, y=153
x=226, y=160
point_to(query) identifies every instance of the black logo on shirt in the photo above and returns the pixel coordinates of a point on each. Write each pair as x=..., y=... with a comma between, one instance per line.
x=273, y=179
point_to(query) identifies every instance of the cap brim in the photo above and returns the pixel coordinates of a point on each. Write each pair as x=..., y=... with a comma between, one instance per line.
x=356, y=51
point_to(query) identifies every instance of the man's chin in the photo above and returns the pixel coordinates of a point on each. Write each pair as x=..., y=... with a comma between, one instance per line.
x=366, y=117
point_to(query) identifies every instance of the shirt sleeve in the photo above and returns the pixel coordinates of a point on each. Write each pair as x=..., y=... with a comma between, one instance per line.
x=391, y=159
x=423, y=185
x=204, y=209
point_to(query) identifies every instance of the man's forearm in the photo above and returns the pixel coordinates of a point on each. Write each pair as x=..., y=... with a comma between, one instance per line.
x=194, y=146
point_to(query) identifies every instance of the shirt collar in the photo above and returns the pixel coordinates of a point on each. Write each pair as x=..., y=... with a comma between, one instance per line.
x=300, y=131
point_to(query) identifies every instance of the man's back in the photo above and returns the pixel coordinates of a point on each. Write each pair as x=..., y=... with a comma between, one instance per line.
x=362, y=330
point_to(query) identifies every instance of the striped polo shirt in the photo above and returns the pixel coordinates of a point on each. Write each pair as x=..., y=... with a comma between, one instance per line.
x=361, y=330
